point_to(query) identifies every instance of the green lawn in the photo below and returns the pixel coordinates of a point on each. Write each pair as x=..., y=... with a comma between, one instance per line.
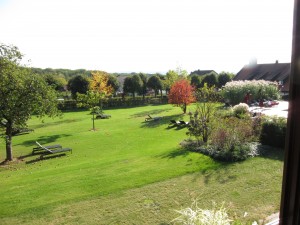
x=127, y=172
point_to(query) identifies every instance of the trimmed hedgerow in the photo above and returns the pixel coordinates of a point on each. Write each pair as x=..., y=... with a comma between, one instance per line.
x=273, y=131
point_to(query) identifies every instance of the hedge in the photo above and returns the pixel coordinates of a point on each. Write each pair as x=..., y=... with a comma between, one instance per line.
x=116, y=102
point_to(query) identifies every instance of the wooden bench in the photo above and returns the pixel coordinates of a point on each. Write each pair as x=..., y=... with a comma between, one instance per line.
x=48, y=151
x=39, y=149
x=103, y=116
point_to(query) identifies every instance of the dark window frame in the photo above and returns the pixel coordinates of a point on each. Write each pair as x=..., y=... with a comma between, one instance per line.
x=290, y=196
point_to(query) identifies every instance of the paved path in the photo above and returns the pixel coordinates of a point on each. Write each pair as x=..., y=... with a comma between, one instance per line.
x=278, y=110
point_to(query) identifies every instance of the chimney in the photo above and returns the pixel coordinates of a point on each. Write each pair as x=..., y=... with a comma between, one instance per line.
x=253, y=62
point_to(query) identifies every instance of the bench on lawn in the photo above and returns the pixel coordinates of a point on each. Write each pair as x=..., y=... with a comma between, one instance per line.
x=183, y=123
x=150, y=118
x=39, y=149
x=174, y=123
x=103, y=116
x=49, y=151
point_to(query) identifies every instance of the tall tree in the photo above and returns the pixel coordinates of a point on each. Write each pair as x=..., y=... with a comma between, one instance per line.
x=22, y=94
x=99, y=89
x=210, y=79
x=181, y=73
x=143, y=90
x=58, y=82
x=128, y=85
x=155, y=83
x=162, y=81
x=137, y=84
x=182, y=94
x=196, y=81
x=171, y=78
x=113, y=82
x=99, y=84
x=78, y=84
x=91, y=100
x=223, y=78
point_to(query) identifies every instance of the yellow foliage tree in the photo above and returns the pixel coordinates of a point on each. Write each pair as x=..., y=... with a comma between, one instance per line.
x=99, y=83
x=98, y=90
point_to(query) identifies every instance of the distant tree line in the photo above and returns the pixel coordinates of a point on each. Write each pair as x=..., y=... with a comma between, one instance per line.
x=211, y=79
x=130, y=84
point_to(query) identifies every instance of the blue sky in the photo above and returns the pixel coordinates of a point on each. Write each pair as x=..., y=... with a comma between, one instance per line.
x=148, y=36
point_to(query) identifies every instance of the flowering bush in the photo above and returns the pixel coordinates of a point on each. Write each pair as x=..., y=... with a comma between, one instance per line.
x=229, y=140
x=240, y=109
x=196, y=216
x=235, y=91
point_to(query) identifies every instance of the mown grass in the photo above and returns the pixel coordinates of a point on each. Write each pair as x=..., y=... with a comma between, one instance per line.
x=126, y=172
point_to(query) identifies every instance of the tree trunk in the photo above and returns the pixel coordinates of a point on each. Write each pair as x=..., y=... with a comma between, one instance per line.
x=184, y=108
x=93, y=121
x=205, y=135
x=8, y=140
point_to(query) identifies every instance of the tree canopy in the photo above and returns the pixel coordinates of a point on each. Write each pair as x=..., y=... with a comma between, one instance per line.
x=224, y=77
x=78, y=84
x=196, y=81
x=210, y=79
x=113, y=82
x=128, y=85
x=99, y=88
x=155, y=83
x=99, y=83
x=181, y=94
x=22, y=94
x=143, y=90
x=171, y=78
x=58, y=82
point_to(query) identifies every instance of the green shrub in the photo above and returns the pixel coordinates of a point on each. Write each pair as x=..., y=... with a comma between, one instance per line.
x=273, y=131
x=235, y=153
x=240, y=110
x=230, y=139
x=235, y=91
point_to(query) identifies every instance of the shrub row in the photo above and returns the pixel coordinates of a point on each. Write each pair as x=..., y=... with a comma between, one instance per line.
x=233, y=135
x=235, y=91
x=117, y=102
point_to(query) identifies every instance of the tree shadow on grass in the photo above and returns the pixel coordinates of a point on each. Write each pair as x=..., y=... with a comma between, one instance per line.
x=44, y=139
x=220, y=173
x=25, y=156
x=175, y=153
x=149, y=112
x=45, y=158
x=54, y=123
x=164, y=120
x=271, y=152
x=223, y=172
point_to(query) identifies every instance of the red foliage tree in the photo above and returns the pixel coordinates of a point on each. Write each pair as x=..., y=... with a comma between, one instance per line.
x=182, y=94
